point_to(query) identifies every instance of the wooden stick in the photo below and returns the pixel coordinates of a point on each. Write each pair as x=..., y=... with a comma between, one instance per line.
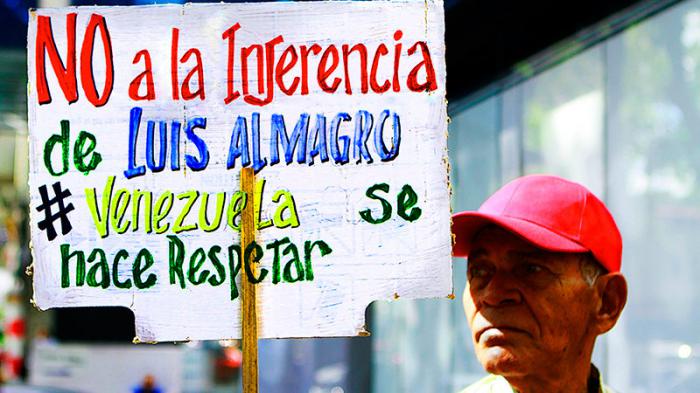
x=249, y=313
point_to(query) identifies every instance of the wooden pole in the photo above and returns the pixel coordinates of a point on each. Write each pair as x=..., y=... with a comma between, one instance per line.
x=249, y=313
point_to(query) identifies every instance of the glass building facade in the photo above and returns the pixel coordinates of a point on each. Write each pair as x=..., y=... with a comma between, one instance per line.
x=623, y=118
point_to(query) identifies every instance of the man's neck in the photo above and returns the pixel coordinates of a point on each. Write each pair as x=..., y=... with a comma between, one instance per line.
x=570, y=380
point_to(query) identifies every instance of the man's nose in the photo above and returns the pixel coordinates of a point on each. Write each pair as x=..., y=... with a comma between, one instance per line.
x=503, y=289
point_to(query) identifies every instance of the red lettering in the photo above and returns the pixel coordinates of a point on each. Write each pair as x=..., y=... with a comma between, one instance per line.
x=283, y=67
x=430, y=83
x=283, y=73
x=315, y=50
x=381, y=51
x=362, y=50
x=269, y=78
x=198, y=69
x=148, y=74
x=245, y=52
x=324, y=72
x=87, y=78
x=230, y=34
x=174, y=79
x=397, y=56
x=65, y=74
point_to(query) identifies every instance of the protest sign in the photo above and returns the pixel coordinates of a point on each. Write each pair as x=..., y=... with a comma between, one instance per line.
x=141, y=119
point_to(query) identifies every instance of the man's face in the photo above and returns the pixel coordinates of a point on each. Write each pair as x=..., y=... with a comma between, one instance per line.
x=527, y=308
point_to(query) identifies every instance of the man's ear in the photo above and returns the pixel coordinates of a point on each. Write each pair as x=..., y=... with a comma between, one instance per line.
x=612, y=291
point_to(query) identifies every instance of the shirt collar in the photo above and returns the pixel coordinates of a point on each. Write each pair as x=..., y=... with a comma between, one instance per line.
x=595, y=385
x=595, y=382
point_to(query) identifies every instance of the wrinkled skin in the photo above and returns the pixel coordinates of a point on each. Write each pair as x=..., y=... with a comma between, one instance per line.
x=533, y=317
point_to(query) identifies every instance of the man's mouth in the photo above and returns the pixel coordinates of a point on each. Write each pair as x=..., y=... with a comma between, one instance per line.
x=497, y=334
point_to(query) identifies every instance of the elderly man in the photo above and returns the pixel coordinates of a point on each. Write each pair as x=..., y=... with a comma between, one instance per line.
x=543, y=281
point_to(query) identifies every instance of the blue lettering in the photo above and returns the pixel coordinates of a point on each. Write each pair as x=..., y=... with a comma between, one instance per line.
x=363, y=126
x=317, y=140
x=175, y=145
x=134, y=122
x=335, y=152
x=239, y=144
x=384, y=154
x=279, y=133
x=191, y=161
x=258, y=163
x=150, y=149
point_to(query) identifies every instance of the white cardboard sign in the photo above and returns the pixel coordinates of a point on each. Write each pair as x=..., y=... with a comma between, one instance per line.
x=141, y=118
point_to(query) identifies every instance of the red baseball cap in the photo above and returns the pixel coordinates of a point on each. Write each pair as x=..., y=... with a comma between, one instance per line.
x=550, y=212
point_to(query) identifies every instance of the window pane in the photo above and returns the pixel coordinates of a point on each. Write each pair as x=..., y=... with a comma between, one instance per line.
x=563, y=120
x=511, y=149
x=654, y=192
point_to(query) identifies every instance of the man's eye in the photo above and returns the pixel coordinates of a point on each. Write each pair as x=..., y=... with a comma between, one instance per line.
x=533, y=270
x=477, y=272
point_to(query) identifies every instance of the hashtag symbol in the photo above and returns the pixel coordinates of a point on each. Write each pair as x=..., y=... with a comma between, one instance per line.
x=62, y=214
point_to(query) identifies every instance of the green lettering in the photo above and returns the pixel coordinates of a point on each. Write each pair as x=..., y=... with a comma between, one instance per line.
x=136, y=207
x=121, y=254
x=191, y=197
x=66, y=256
x=293, y=262
x=406, y=199
x=386, y=206
x=234, y=253
x=220, y=270
x=100, y=216
x=101, y=267
x=203, y=223
x=176, y=257
x=276, y=272
x=165, y=199
x=308, y=248
x=257, y=203
x=287, y=204
x=253, y=247
x=64, y=140
x=196, y=262
x=235, y=208
x=139, y=268
x=80, y=153
x=117, y=210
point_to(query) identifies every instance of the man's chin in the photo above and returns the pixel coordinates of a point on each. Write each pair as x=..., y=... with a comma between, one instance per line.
x=501, y=361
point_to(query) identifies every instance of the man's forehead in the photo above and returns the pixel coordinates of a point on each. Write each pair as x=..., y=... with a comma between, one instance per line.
x=493, y=240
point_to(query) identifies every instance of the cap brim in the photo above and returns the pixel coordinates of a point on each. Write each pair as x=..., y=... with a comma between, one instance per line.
x=466, y=225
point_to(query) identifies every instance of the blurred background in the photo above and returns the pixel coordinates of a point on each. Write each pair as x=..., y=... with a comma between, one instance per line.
x=606, y=93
